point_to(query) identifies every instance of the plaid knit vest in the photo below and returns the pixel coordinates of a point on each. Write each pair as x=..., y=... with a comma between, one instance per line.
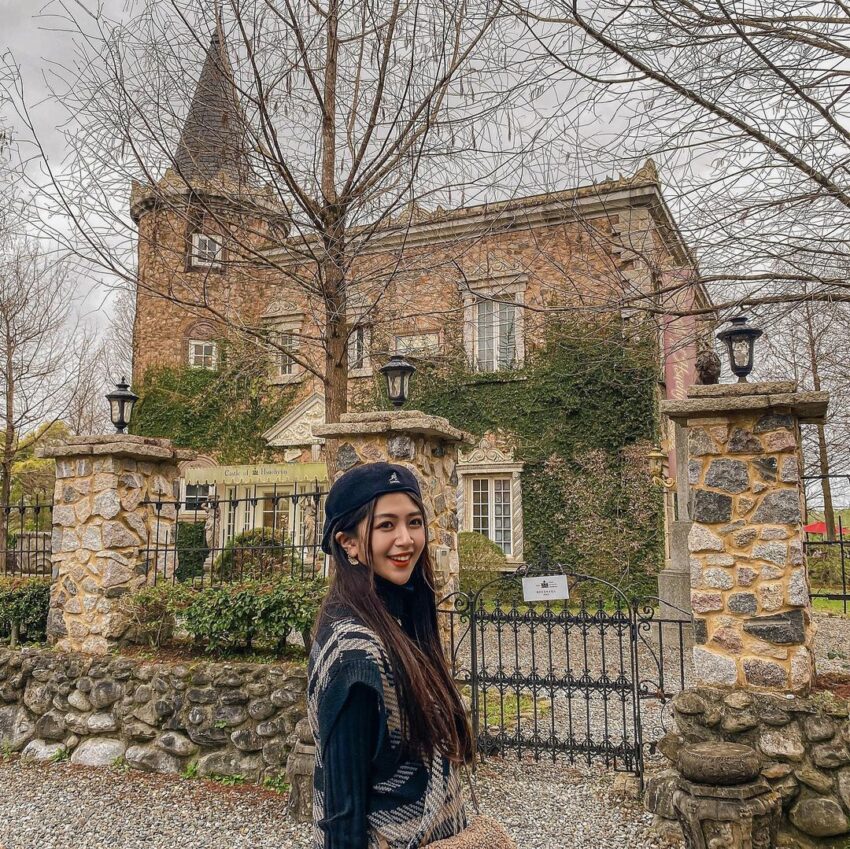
x=412, y=803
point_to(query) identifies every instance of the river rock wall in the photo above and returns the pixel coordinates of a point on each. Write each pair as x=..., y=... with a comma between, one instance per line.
x=231, y=719
x=804, y=745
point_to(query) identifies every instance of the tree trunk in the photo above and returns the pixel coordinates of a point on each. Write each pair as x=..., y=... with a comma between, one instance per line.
x=823, y=457
x=8, y=455
x=333, y=270
x=823, y=464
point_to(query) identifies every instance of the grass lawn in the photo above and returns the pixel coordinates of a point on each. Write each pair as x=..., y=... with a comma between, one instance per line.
x=506, y=713
x=828, y=605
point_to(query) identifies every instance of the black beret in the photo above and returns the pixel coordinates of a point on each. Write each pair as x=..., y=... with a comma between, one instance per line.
x=358, y=486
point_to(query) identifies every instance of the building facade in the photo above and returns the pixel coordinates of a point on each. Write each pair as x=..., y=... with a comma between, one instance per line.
x=477, y=287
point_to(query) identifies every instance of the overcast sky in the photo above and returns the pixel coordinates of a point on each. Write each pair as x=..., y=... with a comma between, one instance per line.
x=32, y=38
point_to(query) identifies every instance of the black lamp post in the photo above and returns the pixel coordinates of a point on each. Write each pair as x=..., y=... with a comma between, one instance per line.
x=740, y=339
x=121, y=403
x=397, y=372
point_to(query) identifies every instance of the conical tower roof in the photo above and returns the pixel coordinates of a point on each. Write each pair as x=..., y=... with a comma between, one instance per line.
x=212, y=143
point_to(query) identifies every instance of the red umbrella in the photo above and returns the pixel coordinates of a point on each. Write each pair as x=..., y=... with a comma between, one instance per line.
x=820, y=528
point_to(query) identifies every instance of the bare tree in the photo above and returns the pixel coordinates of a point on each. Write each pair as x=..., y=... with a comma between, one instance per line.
x=311, y=130
x=40, y=353
x=809, y=343
x=746, y=107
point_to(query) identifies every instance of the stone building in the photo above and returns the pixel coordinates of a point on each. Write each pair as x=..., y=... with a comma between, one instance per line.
x=479, y=284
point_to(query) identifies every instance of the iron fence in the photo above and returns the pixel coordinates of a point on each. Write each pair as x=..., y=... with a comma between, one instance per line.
x=209, y=540
x=578, y=679
x=827, y=564
x=827, y=558
x=26, y=550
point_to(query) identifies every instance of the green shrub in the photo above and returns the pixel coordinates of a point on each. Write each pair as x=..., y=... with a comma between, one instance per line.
x=192, y=550
x=230, y=615
x=256, y=553
x=290, y=605
x=480, y=561
x=153, y=610
x=24, y=604
x=223, y=616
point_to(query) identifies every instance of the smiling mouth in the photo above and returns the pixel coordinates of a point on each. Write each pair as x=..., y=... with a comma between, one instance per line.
x=401, y=562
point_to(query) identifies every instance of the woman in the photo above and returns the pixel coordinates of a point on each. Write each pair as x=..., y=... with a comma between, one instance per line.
x=389, y=724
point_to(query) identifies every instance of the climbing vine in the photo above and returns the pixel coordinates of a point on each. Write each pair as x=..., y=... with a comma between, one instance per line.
x=223, y=412
x=582, y=413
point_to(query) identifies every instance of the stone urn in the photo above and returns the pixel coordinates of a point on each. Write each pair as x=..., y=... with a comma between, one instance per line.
x=299, y=772
x=721, y=800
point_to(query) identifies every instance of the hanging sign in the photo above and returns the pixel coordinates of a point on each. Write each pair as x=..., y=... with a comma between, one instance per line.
x=545, y=588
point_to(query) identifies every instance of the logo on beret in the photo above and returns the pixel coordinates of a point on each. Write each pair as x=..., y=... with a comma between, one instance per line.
x=394, y=478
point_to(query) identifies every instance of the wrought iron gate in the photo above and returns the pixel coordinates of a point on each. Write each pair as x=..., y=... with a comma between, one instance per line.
x=556, y=678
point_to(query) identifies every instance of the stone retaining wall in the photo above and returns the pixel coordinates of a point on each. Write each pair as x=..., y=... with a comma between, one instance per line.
x=804, y=744
x=231, y=718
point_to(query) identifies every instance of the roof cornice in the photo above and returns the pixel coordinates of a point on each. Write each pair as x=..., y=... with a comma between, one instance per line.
x=523, y=214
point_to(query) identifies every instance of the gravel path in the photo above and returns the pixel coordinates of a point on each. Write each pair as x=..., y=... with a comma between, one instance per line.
x=544, y=806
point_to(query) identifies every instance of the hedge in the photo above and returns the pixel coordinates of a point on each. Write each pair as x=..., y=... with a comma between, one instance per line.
x=24, y=604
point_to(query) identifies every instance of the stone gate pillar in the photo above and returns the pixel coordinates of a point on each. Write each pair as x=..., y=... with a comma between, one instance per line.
x=105, y=537
x=749, y=585
x=428, y=445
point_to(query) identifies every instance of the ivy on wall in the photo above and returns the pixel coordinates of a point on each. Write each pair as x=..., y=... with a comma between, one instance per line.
x=223, y=412
x=582, y=412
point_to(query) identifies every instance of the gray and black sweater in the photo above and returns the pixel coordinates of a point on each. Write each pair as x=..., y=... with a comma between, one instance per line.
x=364, y=790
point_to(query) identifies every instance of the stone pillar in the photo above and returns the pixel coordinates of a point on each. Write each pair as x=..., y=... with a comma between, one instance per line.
x=749, y=585
x=104, y=533
x=428, y=445
x=674, y=582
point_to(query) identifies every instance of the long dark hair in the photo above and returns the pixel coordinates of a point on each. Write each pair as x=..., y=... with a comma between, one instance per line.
x=433, y=717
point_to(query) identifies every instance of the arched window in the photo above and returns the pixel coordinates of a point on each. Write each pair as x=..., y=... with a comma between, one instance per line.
x=201, y=347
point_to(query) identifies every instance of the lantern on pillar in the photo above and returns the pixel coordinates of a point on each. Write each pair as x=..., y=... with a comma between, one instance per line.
x=740, y=340
x=397, y=373
x=656, y=457
x=121, y=403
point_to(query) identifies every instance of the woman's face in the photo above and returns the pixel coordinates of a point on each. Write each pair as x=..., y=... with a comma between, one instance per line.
x=398, y=537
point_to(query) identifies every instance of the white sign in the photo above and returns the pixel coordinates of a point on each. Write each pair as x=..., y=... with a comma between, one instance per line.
x=545, y=588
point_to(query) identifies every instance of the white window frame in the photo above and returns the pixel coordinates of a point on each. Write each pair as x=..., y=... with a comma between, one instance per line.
x=193, y=363
x=505, y=289
x=279, y=327
x=364, y=332
x=491, y=485
x=201, y=255
x=497, y=332
x=198, y=498
x=286, y=367
x=491, y=462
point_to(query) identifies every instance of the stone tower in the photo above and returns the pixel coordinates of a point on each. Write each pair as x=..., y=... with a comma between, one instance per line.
x=199, y=227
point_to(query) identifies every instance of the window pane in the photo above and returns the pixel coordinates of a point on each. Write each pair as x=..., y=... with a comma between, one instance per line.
x=486, y=337
x=502, y=513
x=206, y=249
x=197, y=495
x=480, y=507
x=286, y=365
x=357, y=348
x=507, y=335
x=276, y=515
x=202, y=354
x=230, y=527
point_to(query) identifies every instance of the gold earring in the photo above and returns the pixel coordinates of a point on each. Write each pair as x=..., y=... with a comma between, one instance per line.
x=352, y=560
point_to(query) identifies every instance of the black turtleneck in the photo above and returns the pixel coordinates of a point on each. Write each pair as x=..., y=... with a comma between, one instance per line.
x=352, y=743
